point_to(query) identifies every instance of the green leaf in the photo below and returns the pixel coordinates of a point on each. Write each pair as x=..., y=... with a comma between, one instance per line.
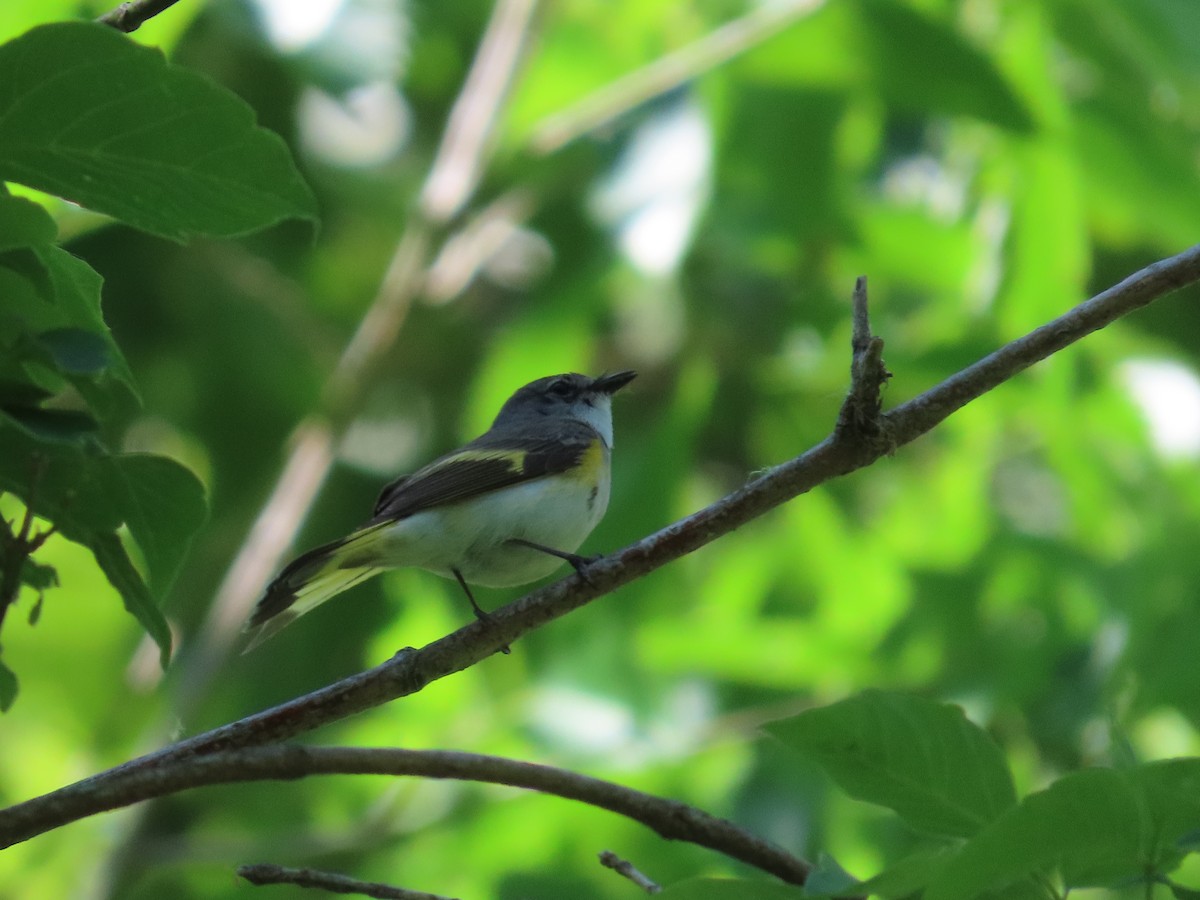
x=89, y=494
x=76, y=290
x=71, y=425
x=163, y=505
x=730, y=889
x=829, y=879
x=25, y=263
x=24, y=223
x=8, y=687
x=1179, y=892
x=925, y=760
x=87, y=114
x=76, y=351
x=38, y=576
x=1098, y=827
x=118, y=567
x=907, y=877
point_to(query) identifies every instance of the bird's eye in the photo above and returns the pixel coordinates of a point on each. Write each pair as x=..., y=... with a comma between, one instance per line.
x=560, y=388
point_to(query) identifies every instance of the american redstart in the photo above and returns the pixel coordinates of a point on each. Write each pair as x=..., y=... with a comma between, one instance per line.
x=506, y=509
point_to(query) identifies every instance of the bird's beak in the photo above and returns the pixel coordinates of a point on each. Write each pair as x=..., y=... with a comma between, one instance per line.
x=610, y=384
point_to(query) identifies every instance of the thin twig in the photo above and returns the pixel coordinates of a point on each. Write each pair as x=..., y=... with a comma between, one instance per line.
x=667, y=73
x=266, y=873
x=672, y=820
x=129, y=17
x=411, y=670
x=610, y=860
x=864, y=401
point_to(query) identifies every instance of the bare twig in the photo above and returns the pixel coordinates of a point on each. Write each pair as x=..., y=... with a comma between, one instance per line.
x=410, y=670
x=868, y=374
x=670, y=819
x=264, y=873
x=610, y=860
x=667, y=73
x=130, y=17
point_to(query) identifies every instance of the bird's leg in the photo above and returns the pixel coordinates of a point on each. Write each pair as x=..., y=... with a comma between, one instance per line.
x=578, y=563
x=479, y=613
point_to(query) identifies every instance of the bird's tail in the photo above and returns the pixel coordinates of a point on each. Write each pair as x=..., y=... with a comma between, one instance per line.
x=310, y=580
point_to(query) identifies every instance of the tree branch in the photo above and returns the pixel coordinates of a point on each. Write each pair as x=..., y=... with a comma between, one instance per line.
x=844, y=451
x=672, y=820
x=129, y=17
x=262, y=873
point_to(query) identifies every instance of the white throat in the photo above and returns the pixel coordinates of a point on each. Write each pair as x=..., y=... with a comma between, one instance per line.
x=599, y=415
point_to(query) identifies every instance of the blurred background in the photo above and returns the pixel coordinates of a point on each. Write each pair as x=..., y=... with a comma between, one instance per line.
x=689, y=190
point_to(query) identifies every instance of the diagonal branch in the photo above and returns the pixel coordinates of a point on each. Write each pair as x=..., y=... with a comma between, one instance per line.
x=843, y=452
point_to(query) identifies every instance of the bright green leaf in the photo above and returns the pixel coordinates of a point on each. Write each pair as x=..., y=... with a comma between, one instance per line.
x=89, y=115
x=925, y=760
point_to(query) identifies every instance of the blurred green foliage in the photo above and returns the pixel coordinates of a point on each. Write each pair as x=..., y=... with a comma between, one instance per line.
x=987, y=163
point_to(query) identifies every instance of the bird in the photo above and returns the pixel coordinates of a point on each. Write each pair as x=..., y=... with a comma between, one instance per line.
x=505, y=509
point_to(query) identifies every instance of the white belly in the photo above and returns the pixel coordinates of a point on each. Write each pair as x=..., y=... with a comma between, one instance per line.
x=471, y=536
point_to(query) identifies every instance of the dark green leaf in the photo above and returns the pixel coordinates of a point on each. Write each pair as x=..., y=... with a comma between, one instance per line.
x=1182, y=893
x=89, y=494
x=907, y=877
x=25, y=227
x=829, y=879
x=77, y=306
x=121, y=573
x=8, y=687
x=71, y=425
x=16, y=395
x=38, y=576
x=924, y=760
x=87, y=114
x=1098, y=827
x=24, y=262
x=163, y=505
x=76, y=351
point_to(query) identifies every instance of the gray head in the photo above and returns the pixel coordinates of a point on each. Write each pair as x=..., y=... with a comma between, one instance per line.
x=570, y=395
